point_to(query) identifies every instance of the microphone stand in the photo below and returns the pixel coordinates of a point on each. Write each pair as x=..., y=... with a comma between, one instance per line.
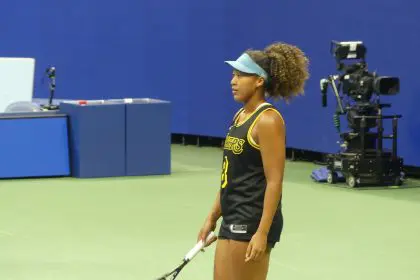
x=50, y=72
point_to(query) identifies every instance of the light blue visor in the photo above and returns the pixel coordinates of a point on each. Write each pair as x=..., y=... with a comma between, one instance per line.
x=245, y=64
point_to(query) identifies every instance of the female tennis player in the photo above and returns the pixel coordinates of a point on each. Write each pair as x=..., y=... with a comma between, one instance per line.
x=249, y=199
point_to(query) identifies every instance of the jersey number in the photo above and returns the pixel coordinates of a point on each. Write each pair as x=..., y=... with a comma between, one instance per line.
x=224, y=172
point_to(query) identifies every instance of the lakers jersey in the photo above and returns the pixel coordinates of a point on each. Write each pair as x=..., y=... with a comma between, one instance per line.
x=243, y=181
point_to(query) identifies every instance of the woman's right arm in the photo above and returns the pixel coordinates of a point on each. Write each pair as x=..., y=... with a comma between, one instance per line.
x=211, y=220
x=216, y=210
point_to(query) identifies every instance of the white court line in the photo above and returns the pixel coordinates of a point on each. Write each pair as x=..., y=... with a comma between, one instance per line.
x=5, y=233
x=279, y=263
x=194, y=168
x=296, y=270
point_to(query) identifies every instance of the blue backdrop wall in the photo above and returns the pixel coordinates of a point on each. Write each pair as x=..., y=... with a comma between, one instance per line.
x=174, y=50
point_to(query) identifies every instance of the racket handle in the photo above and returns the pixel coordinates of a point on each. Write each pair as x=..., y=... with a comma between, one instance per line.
x=194, y=251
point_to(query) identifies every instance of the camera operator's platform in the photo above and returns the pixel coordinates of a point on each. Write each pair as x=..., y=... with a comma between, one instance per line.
x=87, y=139
x=371, y=169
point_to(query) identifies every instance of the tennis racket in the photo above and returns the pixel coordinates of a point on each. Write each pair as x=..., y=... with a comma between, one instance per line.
x=188, y=257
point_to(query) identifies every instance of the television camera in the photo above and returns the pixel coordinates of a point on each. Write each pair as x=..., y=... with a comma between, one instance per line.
x=362, y=159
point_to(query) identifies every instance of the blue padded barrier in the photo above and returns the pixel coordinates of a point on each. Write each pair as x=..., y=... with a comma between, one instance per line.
x=148, y=137
x=97, y=139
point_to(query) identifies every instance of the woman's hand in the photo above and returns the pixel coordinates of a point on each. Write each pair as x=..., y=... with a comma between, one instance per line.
x=209, y=225
x=256, y=247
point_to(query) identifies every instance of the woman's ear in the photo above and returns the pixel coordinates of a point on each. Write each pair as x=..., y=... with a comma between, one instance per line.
x=260, y=82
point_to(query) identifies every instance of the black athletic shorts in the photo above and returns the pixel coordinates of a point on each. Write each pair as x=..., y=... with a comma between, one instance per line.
x=244, y=232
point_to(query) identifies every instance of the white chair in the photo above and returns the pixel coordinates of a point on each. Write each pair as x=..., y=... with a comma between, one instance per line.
x=16, y=80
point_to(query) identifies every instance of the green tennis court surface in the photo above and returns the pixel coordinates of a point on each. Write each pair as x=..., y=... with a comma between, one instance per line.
x=140, y=227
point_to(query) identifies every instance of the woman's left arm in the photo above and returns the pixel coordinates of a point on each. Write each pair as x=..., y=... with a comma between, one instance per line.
x=272, y=141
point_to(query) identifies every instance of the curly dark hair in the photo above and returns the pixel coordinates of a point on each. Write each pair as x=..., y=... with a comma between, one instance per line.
x=287, y=67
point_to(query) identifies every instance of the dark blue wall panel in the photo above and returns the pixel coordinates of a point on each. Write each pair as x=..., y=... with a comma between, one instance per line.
x=174, y=50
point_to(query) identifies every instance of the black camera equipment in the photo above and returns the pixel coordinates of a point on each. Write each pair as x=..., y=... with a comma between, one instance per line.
x=362, y=159
x=50, y=73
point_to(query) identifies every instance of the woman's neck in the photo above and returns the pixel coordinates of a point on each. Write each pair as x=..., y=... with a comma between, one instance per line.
x=253, y=103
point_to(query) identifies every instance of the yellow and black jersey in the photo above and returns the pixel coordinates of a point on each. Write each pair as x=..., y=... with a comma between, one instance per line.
x=243, y=182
